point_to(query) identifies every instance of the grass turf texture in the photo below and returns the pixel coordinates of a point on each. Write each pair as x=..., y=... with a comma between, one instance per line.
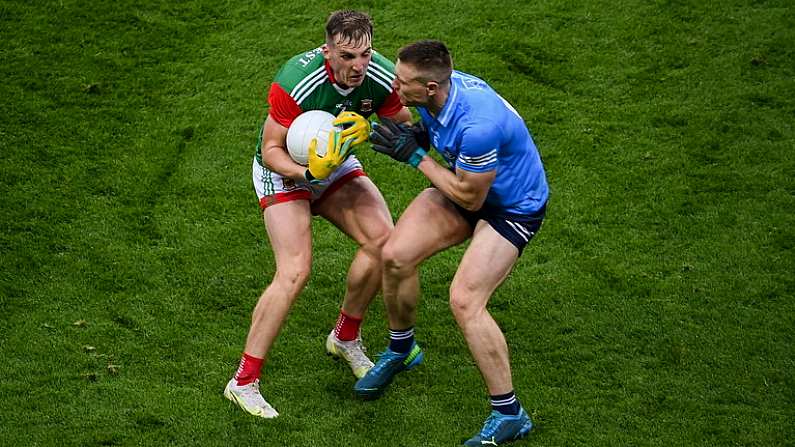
x=655, y=307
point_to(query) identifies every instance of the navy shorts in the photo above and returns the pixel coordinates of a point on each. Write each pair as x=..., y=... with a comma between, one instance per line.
x=518, y=229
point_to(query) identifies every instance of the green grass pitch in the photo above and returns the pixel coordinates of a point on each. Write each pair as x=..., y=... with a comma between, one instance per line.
x=655, y=307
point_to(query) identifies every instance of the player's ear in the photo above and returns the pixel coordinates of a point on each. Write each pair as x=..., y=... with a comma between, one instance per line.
x=432, y=87
x=325, y=50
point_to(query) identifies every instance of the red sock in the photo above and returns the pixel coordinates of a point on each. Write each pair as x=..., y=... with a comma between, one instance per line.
x=249, y=370
x=347, y=327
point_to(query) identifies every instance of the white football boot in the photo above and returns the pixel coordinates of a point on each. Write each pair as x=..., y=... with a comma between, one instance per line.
x=352, y=351
x=249, y=398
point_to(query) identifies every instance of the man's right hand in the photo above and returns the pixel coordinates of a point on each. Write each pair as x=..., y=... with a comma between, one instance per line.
x=337, y=150
x=354, y=125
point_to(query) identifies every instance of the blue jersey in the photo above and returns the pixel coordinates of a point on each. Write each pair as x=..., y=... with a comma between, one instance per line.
x=478, y=131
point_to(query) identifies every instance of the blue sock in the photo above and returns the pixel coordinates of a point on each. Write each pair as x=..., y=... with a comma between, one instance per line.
x=400, y=341
x=506, y=403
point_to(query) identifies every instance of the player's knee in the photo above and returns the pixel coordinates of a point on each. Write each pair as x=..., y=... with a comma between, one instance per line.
x=374, y=245
x=293, y=278
x=464, y=303
x=393, y=260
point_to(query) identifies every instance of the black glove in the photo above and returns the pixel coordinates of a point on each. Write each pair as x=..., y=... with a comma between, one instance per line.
x=421, y=135
x=398, y=141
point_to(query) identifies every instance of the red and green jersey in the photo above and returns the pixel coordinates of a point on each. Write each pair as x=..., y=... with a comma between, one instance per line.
x=306, y=82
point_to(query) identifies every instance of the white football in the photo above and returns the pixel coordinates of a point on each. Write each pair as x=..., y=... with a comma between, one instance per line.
x=309, y=125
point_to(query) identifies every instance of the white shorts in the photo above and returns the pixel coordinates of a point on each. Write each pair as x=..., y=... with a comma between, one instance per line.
x=272, y=188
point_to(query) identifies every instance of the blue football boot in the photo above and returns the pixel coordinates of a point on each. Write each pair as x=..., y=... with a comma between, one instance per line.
x=389, y=363
x=501, y=428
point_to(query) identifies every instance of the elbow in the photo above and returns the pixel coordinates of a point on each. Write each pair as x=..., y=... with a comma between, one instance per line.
x=472, y=205
x=470, y=195
x=267, y=156
x=472, y=200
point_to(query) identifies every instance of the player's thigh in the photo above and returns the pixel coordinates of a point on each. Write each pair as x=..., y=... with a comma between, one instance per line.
x=359, y=210
x=289, y=227
x=430, y=224
x=486, y=263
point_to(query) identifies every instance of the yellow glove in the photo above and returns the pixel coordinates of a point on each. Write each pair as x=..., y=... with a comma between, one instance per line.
x=354, y=125
x=338, y=149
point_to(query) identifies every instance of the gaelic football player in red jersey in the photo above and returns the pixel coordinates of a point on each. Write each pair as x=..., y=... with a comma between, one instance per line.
x=348, y=79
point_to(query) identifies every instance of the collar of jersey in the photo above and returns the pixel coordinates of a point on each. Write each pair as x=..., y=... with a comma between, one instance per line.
x=340, y=90
x=448, y=109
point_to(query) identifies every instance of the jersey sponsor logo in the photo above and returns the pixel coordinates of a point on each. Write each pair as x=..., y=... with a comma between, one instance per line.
x=344, y=105
x=448, y=154
x=307, y=58
x=366, y=105
x=471, y=82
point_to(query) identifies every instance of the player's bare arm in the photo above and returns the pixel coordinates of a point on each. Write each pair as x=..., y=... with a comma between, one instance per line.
x=274, y=151
x=467, y=189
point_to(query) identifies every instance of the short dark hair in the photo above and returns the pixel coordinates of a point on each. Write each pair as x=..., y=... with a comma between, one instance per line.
x=430, y=57
x=352, y=26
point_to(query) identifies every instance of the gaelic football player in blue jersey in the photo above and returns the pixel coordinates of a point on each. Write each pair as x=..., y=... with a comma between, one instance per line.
x=494, y=192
